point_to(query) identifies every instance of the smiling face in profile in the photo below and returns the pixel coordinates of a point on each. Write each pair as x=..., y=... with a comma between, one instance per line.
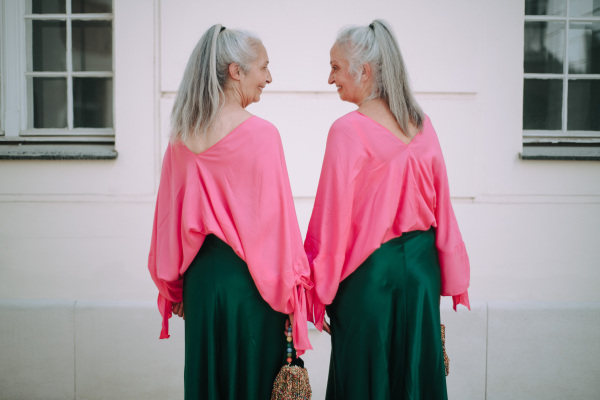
x=347, y=86
x=253, y=81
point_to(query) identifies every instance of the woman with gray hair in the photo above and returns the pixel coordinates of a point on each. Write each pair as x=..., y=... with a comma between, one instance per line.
x=383, y=241
x=226, y=251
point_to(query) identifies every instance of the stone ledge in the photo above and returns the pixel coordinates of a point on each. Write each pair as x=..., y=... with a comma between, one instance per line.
x=25, y=151
x=561, y=152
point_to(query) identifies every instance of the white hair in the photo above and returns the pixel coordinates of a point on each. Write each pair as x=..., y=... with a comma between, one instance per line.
x=376, y=45
x=200, y=95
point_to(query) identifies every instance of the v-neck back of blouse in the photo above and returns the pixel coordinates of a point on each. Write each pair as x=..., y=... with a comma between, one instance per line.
x=389, y=131
x=233, y=132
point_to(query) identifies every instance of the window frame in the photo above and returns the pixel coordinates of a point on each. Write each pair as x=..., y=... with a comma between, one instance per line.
x=561, y=144
x=15, y=76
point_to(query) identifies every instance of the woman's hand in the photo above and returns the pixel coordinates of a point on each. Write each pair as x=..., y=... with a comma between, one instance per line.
x=178, y=309
x=326, y=326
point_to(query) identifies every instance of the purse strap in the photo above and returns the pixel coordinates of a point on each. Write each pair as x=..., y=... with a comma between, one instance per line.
x=290, y=345
x=446, y=359
x=292, y=358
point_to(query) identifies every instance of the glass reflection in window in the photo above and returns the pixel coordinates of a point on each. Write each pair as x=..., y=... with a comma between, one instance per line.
x=92, y=46
x=584, y=48
x=584, y=8
x=48, y=45
x=542, y=104
x=544, y=47
x=545, y=7
x=92, y=102
x=91, y=6
x=49, y=102
x=583, y=105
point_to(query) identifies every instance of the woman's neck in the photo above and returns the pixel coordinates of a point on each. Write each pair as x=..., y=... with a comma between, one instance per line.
x=232, y=99
x=379, y=111
x=370, y=106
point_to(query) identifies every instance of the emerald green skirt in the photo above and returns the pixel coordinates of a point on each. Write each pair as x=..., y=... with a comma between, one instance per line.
x=234, y=342
x=385, y=325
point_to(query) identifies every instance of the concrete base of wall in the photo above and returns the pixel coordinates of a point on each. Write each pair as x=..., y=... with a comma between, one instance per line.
x=110, y=350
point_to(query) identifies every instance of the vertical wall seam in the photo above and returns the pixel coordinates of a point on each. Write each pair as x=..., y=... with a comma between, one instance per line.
x=487, y=330
x=157, y=95
x=75, y=350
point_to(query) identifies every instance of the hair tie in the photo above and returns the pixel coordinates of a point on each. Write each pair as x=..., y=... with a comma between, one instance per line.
x=222, y=29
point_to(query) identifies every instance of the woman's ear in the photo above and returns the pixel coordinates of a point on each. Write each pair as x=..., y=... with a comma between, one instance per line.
x=235, y=72
x=367, y=72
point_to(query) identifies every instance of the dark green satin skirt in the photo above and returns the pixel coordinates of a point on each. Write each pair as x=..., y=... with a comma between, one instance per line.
x=385, y=323
x=234, y=342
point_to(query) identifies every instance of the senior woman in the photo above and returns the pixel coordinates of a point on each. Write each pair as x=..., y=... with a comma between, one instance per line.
x=383, y=241
x=226, y=250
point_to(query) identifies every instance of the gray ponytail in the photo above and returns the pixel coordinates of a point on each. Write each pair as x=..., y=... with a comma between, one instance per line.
x=200, y=96
x=375, y=45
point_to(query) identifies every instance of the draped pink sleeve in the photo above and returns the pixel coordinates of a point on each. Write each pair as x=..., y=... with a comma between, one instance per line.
x=328, y=235
x=238, y=190
x=166, y=255
x=452, y=253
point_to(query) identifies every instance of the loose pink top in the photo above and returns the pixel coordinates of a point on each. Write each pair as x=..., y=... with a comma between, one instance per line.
x=373, y=187
x=239, y=191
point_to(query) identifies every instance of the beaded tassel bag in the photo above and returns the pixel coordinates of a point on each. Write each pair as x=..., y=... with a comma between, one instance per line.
x=291, y=382
x=446, y=359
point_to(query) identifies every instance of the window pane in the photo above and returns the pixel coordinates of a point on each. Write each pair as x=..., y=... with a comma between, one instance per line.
x=92, y=102
x=48, y=6
x=545, y=7
x=583, y=105
x=49, y=102
x=542, y=104
x=49, y=50
x=584, y=48
x=92, y=46
x=584, y=8
x=91, y=6
x=544, y=47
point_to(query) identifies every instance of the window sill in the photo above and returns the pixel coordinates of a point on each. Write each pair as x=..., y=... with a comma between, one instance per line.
x=561, y=152
x=24, y=151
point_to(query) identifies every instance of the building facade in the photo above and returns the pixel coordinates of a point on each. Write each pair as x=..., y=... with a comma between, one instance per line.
x=78, y=185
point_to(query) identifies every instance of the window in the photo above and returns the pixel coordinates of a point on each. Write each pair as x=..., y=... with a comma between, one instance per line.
x=59, y=77
x=561, y=88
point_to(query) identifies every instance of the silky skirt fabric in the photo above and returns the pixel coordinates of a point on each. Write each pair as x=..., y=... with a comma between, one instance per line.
x=234, y=341
x=385, y=325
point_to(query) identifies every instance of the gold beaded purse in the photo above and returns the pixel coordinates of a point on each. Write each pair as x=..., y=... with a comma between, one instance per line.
x=291, y=382
x=446, y=359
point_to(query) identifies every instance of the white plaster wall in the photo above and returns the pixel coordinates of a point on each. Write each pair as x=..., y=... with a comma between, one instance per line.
x=298, y=37
x=80, y=229
x=109, y=350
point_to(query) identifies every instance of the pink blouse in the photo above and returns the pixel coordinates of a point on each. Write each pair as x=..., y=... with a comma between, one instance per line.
x=239, y=191
x=373, y=187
